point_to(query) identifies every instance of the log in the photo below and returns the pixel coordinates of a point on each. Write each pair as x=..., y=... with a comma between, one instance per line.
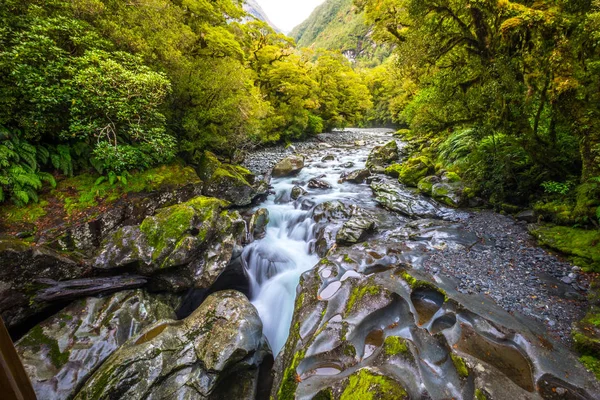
x=77, y=288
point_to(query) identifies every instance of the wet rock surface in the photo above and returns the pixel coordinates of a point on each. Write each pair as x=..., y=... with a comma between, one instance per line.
x=365, y=313
x=288, y=166
x=475, y=308
x=195, y=239
x=62, y=352
x=186, y=359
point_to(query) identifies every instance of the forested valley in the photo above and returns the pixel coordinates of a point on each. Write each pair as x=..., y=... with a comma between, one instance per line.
x=162, y=153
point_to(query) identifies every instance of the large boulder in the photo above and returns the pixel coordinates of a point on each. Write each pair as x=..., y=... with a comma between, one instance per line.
x=288, y=166
x=383, y=155
x=186, y=359
x=228, y=182
x=367, y=325
x=356, y=229
x=22, y=264
x=411, y=171
x=61, y=353
x=357, y=176
x=187, y=245
x=329, y=218
x=407, y=202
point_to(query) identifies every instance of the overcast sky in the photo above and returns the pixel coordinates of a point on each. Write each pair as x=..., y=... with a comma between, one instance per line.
x=286, y=14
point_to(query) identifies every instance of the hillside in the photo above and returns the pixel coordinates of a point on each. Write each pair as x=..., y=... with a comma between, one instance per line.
x=335, y=25
x=254, y=9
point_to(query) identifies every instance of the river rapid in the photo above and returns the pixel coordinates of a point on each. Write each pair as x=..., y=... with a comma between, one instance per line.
x=513, y=271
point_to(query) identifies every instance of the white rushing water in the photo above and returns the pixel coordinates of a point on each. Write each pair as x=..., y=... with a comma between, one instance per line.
x=275, y=263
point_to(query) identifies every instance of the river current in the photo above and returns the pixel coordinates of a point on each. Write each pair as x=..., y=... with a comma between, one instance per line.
x=275, y=263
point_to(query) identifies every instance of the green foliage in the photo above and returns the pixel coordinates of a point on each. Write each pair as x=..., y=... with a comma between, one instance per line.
x=20, y=175
x=502, y=91
x=556, y=187
x=336, y=25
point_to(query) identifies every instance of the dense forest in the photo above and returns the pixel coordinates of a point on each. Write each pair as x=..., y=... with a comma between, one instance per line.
x=194, y=204
x=504, y=94
x=117, y=87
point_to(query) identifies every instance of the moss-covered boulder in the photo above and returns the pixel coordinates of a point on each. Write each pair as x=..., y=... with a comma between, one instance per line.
x=356, y=229
x=186, y=359
x=383, y=155
x=22, y=264
x=198, y=236
x=425, y=185
x=582, y=246
x=290, y=165
x=414, y=169
x=60, y=353
x=228, y=182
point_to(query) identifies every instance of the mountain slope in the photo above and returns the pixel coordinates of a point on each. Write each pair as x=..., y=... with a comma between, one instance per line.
x=335, y=25
x=254, y=9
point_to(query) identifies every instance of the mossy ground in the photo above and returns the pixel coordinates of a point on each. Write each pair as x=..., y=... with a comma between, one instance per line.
x=366, y=385
x=583, y=246
x=80, y=197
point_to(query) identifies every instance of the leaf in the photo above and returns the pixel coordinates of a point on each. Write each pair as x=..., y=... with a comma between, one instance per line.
x=100, y=180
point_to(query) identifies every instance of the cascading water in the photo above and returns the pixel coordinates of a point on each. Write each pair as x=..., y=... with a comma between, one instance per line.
x=275, y=263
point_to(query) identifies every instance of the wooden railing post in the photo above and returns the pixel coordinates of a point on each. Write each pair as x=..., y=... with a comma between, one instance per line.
x=14, y=382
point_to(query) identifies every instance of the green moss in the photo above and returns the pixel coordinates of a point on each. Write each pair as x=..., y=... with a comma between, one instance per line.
x=366, y=385
x=414, y=169
x=592, y=364
x=479, y=395
x=394, y=170
x=419, y=284
x=347, y=259
x=289, y=383
x=358, y=292
x=425, y=185
x=349, y=350
x=31, y=213
x=582, y=245
x=460, y=365
x=36, y=339
x=557, y=211
x=170, y=225
x=395, y=345
x=452, y=177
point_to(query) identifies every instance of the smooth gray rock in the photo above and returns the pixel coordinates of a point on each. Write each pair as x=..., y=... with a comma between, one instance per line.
x=61, y=353
x=356, y=228
x=358, y=176
x=288, y=166
x=185, y=359
x=317, y=183
x=527, y=216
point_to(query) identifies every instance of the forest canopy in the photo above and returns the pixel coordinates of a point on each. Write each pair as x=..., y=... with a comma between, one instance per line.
x=119, y=86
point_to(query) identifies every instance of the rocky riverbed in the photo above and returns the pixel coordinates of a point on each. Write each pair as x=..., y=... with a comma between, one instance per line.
x=312, y=274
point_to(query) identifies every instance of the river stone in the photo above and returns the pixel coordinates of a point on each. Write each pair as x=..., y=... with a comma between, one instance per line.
x=288, y=166
x=228, y=182
x=383, y=155
x=317, y=183
x=328, y=157
x=197, y=236
x=357, y=176
x=356, y=228
x=60, y=353
x=527, y=216
x=258, y=223
x=22, y=263
x=185, y=359
x=329, y=218
x=405, y=201
x=367, y=322
x=297, y=192
x=449, y=193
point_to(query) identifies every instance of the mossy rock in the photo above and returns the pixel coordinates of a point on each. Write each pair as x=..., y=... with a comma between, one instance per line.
x=393, y=170
x=366, y=384
x=558, y=212
x=583, y=246
x=414, y=169
x=425, y=185
x=383, y=155
x=288, y=166
x=224, y=181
